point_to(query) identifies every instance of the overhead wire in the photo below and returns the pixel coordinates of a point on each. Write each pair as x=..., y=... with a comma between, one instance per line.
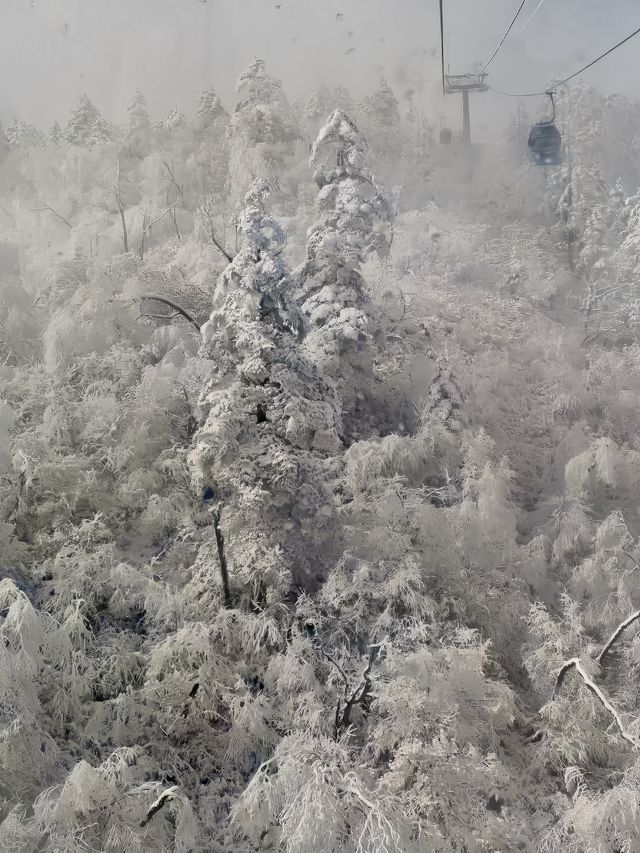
x=504, y=37
x=533, y=14
x=442, y=42
x=571, y=76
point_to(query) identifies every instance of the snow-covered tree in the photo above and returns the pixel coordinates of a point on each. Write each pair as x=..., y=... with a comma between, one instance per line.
x=354, y=222
x=267, y=411
x=54, y=137
x=210, y=109
x=86, y=126
x=138, y=114
x=21, y=134
x=338, y=559
x=263, y=129
x=319, y=105
x=382, y=108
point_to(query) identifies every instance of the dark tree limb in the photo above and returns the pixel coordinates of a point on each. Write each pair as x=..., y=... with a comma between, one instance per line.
x=212, y=236
x=154, y=808
x=568, y=665
x=224, y=570
x=361, y=695
x=332, y=661
x=178, y=308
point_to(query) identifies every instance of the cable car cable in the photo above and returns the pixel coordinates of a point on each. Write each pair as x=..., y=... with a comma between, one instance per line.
x=571, y=76
x=442, y=42
x=602, y=56
x=535, y=12
x=504, y=37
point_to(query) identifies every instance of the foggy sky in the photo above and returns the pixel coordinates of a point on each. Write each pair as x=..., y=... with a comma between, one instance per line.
x=52, y=51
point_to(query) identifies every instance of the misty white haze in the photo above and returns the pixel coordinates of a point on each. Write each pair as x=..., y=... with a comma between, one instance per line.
x=53, y=51
x=319, y=426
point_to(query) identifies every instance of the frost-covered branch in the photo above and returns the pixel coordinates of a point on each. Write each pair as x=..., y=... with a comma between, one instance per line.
x=621, y=627
x=574, y=663
x=212, y=236
x=167, y=795
x=147, y=225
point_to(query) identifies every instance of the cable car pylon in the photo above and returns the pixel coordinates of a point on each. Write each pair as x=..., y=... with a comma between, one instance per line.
x=465, y=84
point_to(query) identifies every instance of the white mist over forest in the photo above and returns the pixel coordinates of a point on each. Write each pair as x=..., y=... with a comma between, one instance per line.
x=54, y=51
x=319, y=418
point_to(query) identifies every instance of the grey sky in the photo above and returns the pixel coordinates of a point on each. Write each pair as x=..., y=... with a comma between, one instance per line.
x=53, y=50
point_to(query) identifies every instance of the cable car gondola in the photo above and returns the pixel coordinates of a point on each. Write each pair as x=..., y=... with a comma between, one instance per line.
x=445, y=136
x=545, y=141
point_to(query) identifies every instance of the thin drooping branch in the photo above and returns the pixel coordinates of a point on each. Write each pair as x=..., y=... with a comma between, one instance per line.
x=158, y=218
x=149, y=316
x=334, y=663
x=224, y=570
x=48, y=209
x=147, y=225
x=212, y=236
x=593, y=336
x=172, y=179
x=179, y=194
x=178, y=308
x=613, y=638
x=574, y=663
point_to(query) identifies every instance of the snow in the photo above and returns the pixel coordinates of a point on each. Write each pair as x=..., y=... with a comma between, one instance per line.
x=325, y=561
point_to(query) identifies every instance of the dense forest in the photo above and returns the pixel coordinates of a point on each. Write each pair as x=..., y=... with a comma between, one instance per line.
x=319, y=465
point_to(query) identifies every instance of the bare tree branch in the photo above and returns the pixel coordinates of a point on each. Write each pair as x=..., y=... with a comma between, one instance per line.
x=165, y=301
x=148, y=225
x=211, y=234
x=179, y=192
x=318, y=645
x=362, y=694
x=592, y=337
x=46, y=208
x=158, y=218
x=172, y=179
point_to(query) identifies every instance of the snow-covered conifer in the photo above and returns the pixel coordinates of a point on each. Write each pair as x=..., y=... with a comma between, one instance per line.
x=210, y=108
x=21, y=134
x=382, y=108
x=354, y=222
x=263, y=130
x=86, y=126
x=137, y=113
x=265, y=410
